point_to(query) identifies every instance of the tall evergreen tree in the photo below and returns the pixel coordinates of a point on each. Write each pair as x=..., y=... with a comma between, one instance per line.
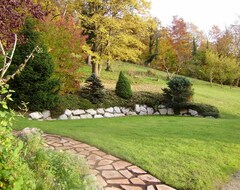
x=34, y=84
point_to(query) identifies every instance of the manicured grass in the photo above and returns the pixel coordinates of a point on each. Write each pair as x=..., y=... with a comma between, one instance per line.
x=187, y=153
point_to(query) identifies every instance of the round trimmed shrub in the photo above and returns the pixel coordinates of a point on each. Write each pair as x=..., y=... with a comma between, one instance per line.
x=123, y=87
x=179, y=90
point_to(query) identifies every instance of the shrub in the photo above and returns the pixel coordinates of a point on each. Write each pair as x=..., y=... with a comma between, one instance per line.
x=203, y=109
x=123, y=87
x=52, y=169
x=35, y=83
x=179, y=91
x=93, y=91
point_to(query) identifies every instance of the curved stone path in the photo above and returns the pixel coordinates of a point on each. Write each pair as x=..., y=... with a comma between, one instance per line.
x=111, y=172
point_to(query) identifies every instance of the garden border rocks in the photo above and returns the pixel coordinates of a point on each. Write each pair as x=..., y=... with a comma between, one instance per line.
x=113, y=112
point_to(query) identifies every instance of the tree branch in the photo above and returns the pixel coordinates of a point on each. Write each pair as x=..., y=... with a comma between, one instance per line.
x=23, y=65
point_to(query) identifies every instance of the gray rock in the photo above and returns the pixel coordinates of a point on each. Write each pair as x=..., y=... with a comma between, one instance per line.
x=143, y=109
x=86, y=116
x=184, y=111
x=26, y=133
x=91, y=111
x=109, y=110
x=161, y=106
x=108, y=115
x=36, y=115
x=119, y=115
x=170, y=111
x=100, y=111
x=74, y=117
x=63, y=117
x=78, y=112
x=117, y=109
x=156, y=113
x=131, y=113
x=193, y=112
x=150, y=111
x=137, y=108
x=46, y=114
x=163, y=111
x=98, y=116
x=125, y=110
x=143, y=113
x=68, y=112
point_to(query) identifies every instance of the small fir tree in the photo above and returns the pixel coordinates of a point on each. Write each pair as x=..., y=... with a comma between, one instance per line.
x=123, y=87
x=34, y=84
x=94, y=90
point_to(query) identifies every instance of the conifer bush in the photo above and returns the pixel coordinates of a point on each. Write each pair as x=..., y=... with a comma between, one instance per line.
x=123, y=87
x=179, y=91
x=35, y=83
x=94, y=90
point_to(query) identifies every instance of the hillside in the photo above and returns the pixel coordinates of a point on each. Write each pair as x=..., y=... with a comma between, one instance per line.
x=152, y=80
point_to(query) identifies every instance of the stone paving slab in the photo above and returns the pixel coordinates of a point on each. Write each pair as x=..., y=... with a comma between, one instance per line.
x=111, y=172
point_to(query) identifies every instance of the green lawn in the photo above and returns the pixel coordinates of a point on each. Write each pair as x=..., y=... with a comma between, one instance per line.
x=187, y=153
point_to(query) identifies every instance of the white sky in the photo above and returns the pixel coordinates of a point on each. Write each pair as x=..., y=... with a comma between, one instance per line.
x=202, y=13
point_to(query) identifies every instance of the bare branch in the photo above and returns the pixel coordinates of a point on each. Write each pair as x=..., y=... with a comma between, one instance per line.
x=2, y=48
x=7, y=63
x=23, y=65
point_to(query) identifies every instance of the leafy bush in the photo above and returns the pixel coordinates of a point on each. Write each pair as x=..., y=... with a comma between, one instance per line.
x=52, y=169
x=35, y=83
x=203, y=109
x=14, y=171
x=179, y=90
x=123, y=87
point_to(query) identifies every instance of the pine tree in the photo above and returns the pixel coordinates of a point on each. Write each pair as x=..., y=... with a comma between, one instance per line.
x=34, y=84
x=93, y=91
x=123, y=87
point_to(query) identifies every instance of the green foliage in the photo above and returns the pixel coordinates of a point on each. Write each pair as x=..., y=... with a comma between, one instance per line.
x=123, y=87
x=52, y=169
x=14, y=172
x=179, y=90
x=94, y=90
x=34, y=84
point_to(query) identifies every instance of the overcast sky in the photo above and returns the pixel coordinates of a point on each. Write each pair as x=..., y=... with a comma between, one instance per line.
x=202, y=13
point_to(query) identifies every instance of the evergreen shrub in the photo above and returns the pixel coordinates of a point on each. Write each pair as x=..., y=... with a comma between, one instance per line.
x=123, y=87
x=179, y=91
x=93, y=90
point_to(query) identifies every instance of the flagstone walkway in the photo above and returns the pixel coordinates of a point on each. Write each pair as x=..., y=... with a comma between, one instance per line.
x=111, y=172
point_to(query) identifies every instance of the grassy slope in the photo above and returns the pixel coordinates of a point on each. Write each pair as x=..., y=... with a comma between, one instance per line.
x=187, y=153
x=226, y=99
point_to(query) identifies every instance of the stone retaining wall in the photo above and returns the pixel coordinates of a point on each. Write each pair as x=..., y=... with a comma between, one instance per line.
x=112, y=112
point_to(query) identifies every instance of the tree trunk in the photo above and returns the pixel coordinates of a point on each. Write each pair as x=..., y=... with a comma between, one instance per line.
x=238, y=81
x=99, y=69
x=89, y=60
x=108, y=68
x=95, y=68
x=211, y=78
